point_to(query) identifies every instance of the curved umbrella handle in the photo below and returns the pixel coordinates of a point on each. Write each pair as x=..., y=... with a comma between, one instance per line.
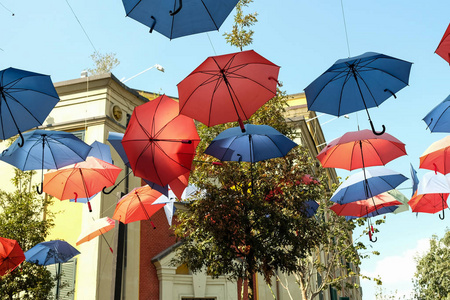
x=41, y=190
x=177, y=10
x=107, y=193
x=22, y=141
x=388, y=90
x=377, y=132
x=153, y=24
x=443, y=215
x=76, y=197
x=373, y=240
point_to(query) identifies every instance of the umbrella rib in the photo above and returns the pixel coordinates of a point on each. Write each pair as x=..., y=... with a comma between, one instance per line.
x=23, y=106
x=347, y=78
x=134, y=7
x=338, y=73
x=210, y=16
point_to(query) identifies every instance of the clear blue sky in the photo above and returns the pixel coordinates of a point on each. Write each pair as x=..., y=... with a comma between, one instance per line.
x=303, y=37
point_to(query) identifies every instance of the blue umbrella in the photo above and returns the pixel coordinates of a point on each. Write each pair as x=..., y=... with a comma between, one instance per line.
x=415, y=180
x=26, y=99
x=357, y=83
x=45, y=149
x=115, y=139
x=311, y=207
x=438, y=119
x=366, y=184
x=52, y=252
x=258, y=142
x=179, y=18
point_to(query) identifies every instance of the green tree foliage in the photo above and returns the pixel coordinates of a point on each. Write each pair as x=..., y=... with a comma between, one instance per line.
x=240, y=36
x=432, y=277
x=250, y=218
x=104, y=63
x=21, y=219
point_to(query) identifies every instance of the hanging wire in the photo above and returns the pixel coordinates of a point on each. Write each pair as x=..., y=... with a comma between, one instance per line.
x=81, y=26
x=345, y=27
x=214, y=50
x=7, y=9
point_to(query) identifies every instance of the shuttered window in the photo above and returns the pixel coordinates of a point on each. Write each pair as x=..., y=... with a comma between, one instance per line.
x=65, y=285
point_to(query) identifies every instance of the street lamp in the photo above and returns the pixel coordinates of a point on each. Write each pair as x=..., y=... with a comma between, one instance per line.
x=157, y=66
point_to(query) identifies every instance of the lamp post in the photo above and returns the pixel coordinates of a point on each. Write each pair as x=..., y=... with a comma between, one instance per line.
x=157, y=66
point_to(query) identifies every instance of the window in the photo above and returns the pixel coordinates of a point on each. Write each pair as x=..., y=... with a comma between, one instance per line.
x=79, y=134
x=65, y=285
x=333, y=294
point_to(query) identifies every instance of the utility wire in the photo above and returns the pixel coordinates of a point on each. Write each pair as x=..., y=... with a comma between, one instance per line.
x=345, y=27
x=7, y=9
x=81, y=26
x=214, y=50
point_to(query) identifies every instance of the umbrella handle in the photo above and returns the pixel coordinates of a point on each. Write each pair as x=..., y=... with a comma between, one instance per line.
x=388, y=90
x=76, y=197
x=377, y=132
x=41, y=190
x=443, y=215
x=241, y=124
x=20, y=144
x=107, y=193
x=89, y=206
x=177, y=10
x=153, y=24
x=373, y=240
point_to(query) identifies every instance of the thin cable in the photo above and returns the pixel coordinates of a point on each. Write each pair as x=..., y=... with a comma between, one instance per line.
x=345, y=27
x=7, y=9
x=81, y=26
x=214, y=50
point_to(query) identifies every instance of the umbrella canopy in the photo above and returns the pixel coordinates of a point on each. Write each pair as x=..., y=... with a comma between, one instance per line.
x=83, y=179
x=26, y=99
x=52, y=252
x=431, y=195
x=46, y=149
x=11, y=255
x=311, y=207
x=137, y=205
x=159, y=143
x=415, y=180
x=257, y=143
x=359, y=149
x=365, y=207
x=96, y=228
x=438, y=119
x=443, y=49
x=437, y=156
x=357, y=83
x=169, y=206
x=175, y=19
x=228, y=88
x=178, y=185
x=366, y=184
x=378, y=212
x=101, y=151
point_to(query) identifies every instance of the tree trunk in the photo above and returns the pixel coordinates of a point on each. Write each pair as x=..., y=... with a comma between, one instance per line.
x=303, y=290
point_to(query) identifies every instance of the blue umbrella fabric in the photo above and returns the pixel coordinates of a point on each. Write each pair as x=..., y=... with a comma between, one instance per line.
x=49, y=253
x=367, y=183
x=179, y=18
x=357, y=83
x=257, y=143
x=45, y=149
x=26, y=99
x=415, y=180
x=311, y=207
x=115, y=139
x=438, y=119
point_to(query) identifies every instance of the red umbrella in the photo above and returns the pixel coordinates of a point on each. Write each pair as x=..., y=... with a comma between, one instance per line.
x=428, y=203
x=82, y=180
x=228, y=88
x=359, y=149
x=179, y=185
x=137, y=205
x=160, y=144
x=443, y=49
x=364, y=207
x=437, y=156
x=11, y=255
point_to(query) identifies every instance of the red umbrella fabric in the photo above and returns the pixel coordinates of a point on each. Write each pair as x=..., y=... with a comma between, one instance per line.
x=160, y=144
x=137, y=205
x=364, y=207
x=96, y=228
x=228, y=88
x=359, y=149
x=11, y=255
x=437, y=156
x=428, y=203
x=82, y=180
x=179, y=185
x=443, y=49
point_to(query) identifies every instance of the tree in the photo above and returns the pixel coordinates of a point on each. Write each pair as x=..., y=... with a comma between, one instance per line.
x=251, y=218
x=432, y=277
x=104, y=63
x=21, y=219
x=240, y=36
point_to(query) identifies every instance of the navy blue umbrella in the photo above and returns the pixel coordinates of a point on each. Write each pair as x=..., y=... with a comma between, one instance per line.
x=366, y=184
x=26, y=99
x=179, y=18
x=311, y=207
x=257, y=143
x=49, y=253
x=46, y=149
x=357, y=83
x=438, y=119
